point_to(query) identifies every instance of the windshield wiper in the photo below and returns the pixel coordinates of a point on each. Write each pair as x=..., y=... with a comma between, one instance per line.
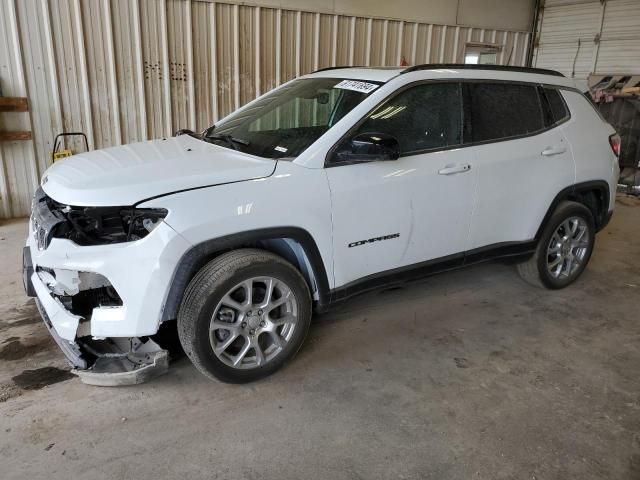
x=231, y=140
x=186, y=131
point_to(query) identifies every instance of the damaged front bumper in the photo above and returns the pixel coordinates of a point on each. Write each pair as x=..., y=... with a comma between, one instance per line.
x=114, y=363
x=124, y=362
x=108, y=362
x=70, y=349
x=101, y=304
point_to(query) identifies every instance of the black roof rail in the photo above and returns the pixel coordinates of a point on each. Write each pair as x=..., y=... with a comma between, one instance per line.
x=337, y=67
x=371, y=67
x=467, y=66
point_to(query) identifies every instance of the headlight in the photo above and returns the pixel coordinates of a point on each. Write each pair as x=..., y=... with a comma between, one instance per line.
x=141, y=221
x=106, y=225
x=90, y=225
x=100, y=225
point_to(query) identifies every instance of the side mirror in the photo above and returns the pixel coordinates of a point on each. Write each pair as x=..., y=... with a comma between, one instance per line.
x=368, y=147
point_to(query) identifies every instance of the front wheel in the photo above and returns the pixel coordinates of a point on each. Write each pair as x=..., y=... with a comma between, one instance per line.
x=564, y=248
x=244, y=315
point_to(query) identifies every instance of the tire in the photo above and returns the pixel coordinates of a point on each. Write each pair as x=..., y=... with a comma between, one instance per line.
x=559, y=265
x=217, y=306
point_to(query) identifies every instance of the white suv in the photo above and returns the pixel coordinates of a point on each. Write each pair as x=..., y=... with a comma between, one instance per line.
x=338, y=182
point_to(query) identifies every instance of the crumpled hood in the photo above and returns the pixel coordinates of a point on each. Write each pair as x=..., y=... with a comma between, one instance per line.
x=127, y=174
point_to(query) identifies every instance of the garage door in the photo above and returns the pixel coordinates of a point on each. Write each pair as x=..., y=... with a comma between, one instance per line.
x=589, y=36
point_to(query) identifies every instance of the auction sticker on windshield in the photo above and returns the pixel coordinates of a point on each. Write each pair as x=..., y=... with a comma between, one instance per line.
x=364, y=87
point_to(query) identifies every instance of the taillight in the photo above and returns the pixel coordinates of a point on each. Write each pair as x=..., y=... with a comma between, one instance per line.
x=614, y=140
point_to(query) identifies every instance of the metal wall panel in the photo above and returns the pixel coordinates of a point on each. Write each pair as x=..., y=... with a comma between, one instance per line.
x=18, y=172
x=38, y=76
x=155, y=54
x=128, y=70
x=608, y=33
x=180, y=66
x=619, y=50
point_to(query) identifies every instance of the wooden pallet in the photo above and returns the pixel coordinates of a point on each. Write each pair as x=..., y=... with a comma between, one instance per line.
x=13, y=136
x=13, y=104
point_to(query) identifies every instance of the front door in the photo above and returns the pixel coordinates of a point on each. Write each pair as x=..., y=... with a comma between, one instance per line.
x=389, y=216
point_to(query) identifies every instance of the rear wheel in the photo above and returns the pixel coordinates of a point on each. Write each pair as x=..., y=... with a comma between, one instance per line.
x=564, y=248
x=244, y=315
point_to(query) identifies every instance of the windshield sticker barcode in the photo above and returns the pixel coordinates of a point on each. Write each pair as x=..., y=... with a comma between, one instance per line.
x=281, y=149
x=363, y=87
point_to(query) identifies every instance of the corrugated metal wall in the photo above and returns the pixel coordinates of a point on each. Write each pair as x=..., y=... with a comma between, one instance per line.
x=129, y=70
x=581, y=37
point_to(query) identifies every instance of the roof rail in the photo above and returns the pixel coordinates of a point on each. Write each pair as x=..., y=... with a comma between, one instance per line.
x=371, y=67
x=467, y=66
x=337, y=67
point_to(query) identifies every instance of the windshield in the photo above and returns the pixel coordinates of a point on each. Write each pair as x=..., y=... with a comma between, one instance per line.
x=286, y=121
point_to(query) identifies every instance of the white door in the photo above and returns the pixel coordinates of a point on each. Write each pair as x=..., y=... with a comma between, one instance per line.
x=393, y=214
x=524, y=165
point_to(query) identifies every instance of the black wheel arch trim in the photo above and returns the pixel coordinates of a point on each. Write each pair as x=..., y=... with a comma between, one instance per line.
x=202, y=252
x=577, y=188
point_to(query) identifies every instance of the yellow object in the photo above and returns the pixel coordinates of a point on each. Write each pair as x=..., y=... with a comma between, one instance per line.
x=61, y=154
x=634, y=90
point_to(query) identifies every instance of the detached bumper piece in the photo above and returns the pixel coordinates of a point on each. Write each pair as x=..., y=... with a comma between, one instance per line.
x=103, y=362
x=111, y=362
x=122, y=361
x=70, y=350
x=27, y=272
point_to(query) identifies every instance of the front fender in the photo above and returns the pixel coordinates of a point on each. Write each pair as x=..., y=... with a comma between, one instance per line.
x=293, y=203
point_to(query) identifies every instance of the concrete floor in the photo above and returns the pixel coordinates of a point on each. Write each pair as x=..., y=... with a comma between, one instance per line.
x=469, y=374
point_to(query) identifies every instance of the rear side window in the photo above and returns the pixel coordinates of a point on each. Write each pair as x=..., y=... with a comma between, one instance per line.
x=502, y=110
x=559, y=111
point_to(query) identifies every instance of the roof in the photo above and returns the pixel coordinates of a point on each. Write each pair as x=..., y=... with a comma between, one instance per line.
x=444, y=71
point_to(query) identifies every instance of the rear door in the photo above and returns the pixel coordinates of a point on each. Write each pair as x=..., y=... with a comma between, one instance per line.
x=522, y=158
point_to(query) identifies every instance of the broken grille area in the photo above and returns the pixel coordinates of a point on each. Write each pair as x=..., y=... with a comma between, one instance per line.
x=85, y=301
x=80, y=292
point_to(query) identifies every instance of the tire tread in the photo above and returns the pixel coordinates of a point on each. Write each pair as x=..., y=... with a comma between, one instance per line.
x=530, y=269
x=203, y=283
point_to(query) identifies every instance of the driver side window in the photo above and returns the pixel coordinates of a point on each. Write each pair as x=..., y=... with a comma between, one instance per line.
x=424, y=117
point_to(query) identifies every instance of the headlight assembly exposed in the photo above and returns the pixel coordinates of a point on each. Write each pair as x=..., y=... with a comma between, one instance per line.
x=92, y=225
x=104, y=225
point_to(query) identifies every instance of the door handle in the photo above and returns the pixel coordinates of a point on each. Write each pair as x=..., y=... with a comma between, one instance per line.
x=547, y=152
x=453, y=169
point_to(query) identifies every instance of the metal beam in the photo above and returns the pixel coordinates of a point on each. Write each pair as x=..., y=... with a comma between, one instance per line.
x=141, y=96
x=111, y=67
x=86, y=95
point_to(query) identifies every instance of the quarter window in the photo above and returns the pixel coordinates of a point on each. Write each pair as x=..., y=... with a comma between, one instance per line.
x=423, y=117
x=503, y=110
x=556, y=104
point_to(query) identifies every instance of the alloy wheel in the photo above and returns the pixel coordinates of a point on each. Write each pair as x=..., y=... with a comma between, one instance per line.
x=568, y=247
x=253, y=322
